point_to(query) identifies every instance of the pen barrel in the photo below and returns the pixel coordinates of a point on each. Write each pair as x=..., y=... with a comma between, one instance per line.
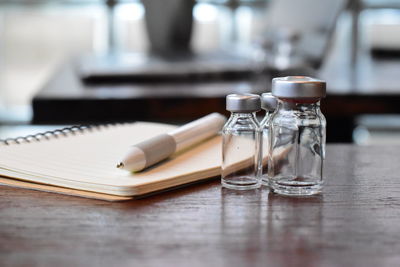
x=157, y=148
x=198, y=130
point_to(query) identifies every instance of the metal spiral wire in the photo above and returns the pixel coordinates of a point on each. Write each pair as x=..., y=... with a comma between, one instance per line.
x=63, y=132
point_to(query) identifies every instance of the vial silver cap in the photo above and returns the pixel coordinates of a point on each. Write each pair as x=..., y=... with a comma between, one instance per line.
x=268, y=102
x=298, y=87
x=243, y=102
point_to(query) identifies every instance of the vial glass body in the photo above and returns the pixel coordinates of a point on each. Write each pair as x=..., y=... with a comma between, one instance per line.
x=297, y=152
x=240, y=152
x=265, y=145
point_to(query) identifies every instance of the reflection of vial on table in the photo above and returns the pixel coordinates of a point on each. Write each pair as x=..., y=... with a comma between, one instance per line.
x=240, y=146
x=297, y=150
x=268, y=103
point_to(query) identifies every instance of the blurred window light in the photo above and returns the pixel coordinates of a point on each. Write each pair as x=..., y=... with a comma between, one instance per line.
x=244, y=27
x=361, y=135
x=205, y=12
x=382, y=16
x=375, y=129
x=129, y=11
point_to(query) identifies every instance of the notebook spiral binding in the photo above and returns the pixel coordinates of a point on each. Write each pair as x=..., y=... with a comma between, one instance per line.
x=62, y=132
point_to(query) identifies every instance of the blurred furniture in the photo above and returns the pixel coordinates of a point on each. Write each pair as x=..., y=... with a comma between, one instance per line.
x=306, y=27
x=355, y=222
x=356, y=7
x=372, y=87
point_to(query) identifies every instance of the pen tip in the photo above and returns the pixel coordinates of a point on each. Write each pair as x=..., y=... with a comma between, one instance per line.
x=120, y=165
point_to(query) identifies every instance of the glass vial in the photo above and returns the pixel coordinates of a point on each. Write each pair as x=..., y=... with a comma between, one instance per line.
x=240, y=146
x=298, y=133
x=268, y=103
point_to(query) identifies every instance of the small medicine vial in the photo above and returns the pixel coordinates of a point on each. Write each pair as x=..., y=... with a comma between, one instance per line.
x=298, y=133
x=268, y=103
x=241, y=143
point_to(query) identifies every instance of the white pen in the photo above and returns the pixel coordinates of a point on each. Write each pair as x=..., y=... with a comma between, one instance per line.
x=149, y=152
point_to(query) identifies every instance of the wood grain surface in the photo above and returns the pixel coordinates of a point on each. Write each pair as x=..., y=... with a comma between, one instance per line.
x=355, y=222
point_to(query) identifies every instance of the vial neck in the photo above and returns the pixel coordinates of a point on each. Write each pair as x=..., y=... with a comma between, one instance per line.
x=244, y=115
x=299, y=106
x=268, y=113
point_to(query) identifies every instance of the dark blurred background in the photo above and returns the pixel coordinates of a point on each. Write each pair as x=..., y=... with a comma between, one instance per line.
x=91, y=61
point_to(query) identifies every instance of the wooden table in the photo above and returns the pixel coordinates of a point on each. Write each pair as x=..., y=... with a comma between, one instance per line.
x=355, y=222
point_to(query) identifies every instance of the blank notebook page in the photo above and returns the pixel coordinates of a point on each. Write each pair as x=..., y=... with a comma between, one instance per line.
x=87, y=160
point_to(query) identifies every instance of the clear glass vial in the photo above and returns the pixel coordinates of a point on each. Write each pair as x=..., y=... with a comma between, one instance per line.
x=240, y=146
x=268, y=103
x=298, y=133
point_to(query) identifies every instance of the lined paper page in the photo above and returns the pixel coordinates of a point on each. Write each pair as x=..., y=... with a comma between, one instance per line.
x=88, y=160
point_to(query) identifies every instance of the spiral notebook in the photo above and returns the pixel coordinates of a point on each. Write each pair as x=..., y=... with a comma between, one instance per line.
x=82, y=161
